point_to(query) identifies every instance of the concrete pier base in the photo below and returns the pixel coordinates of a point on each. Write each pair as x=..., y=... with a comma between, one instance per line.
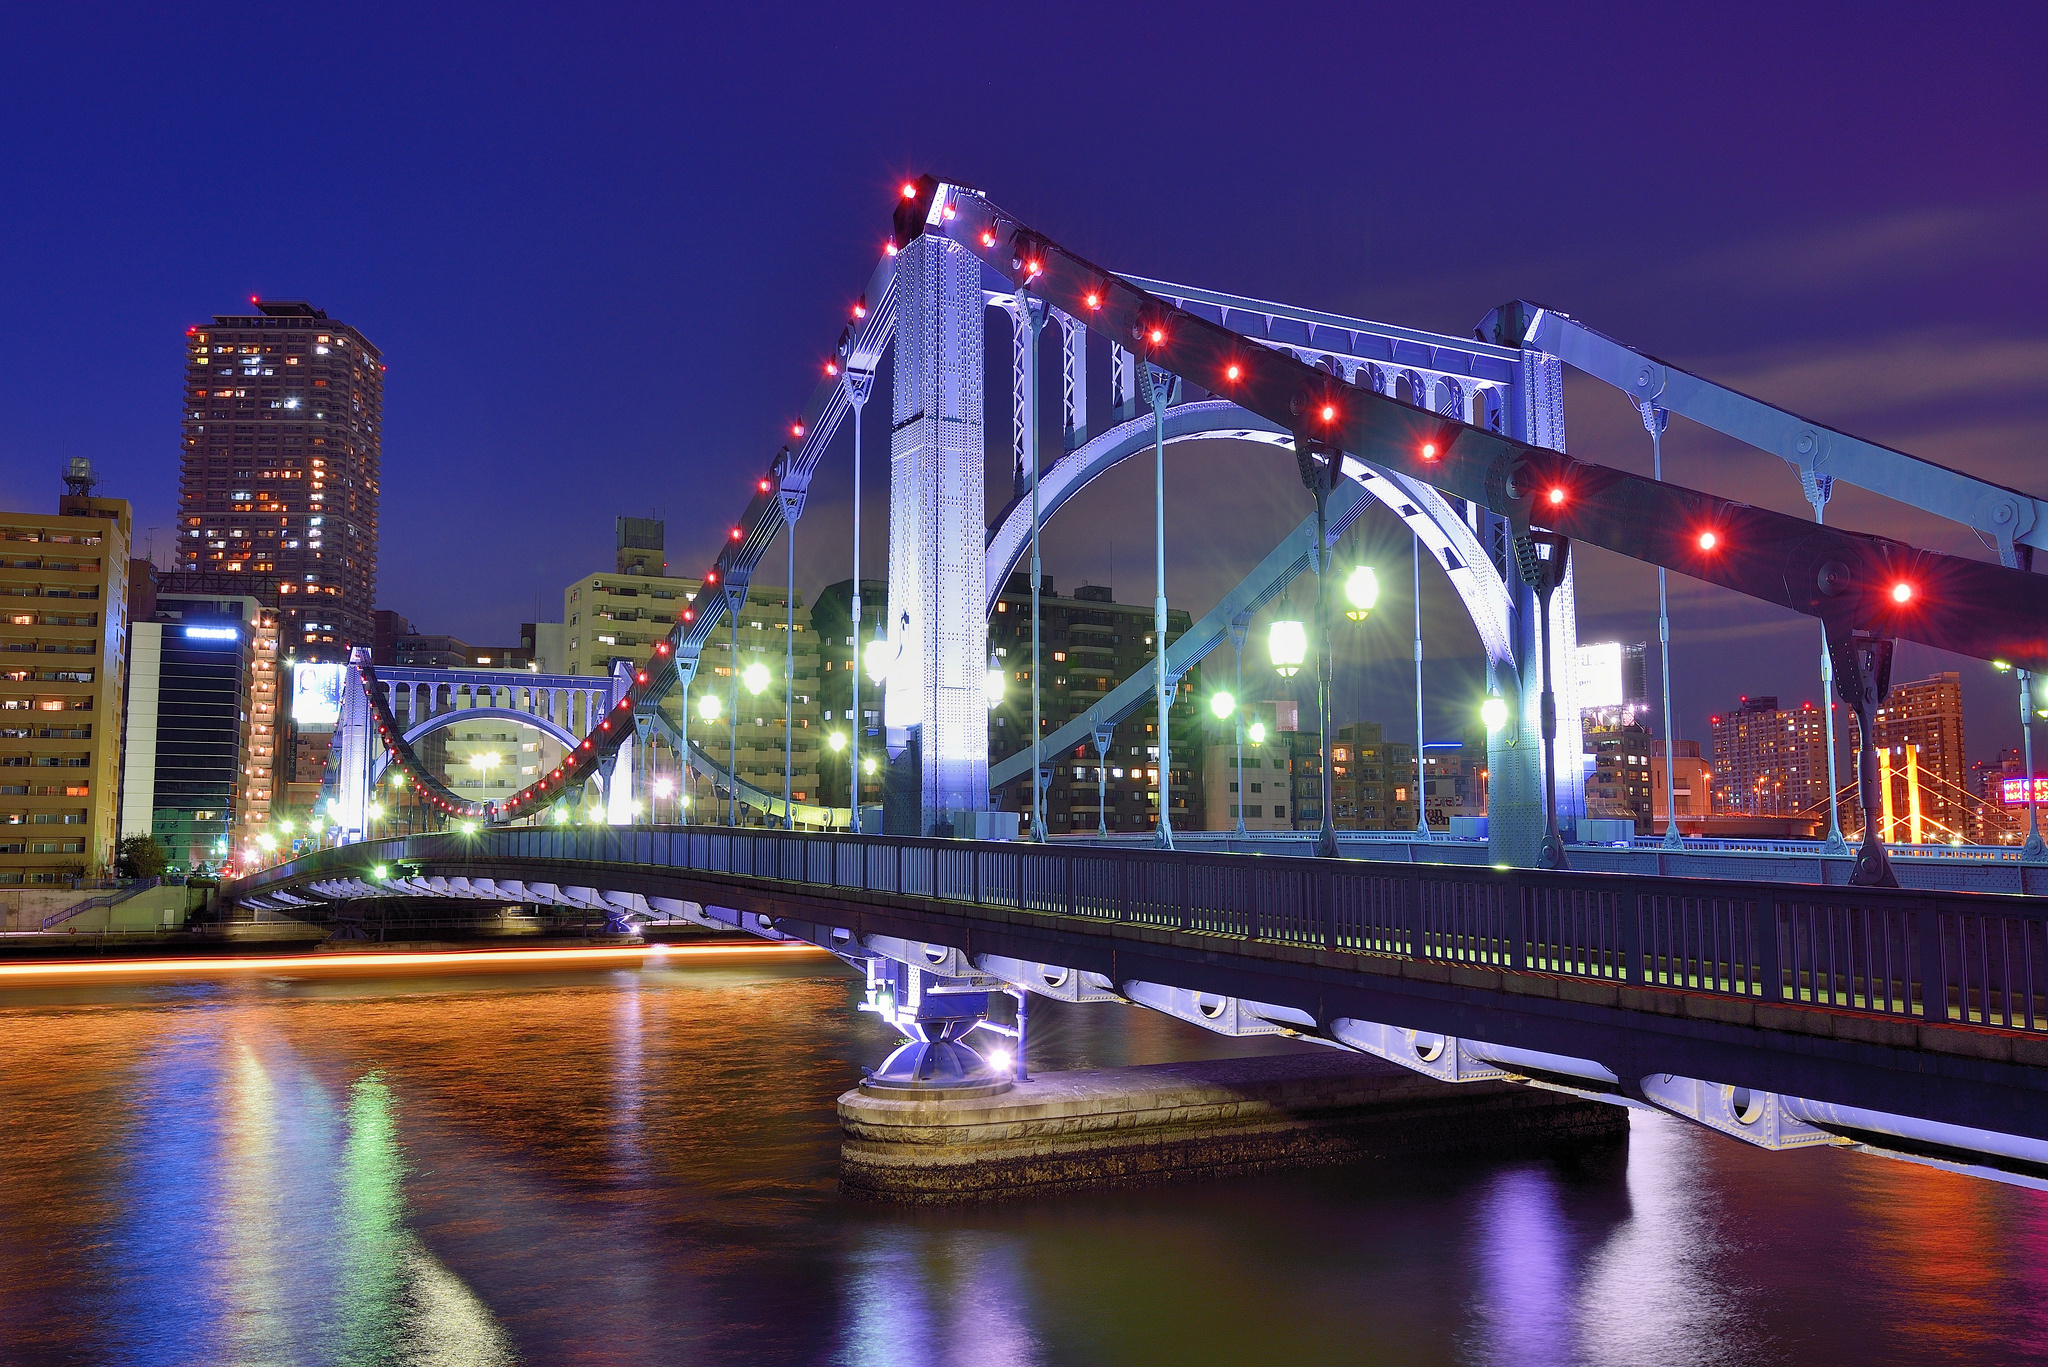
x=1120, y=1127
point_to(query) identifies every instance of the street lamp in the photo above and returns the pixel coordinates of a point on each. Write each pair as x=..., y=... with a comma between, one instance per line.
x=1361, y=590
x=1287, y=644
x=1256, y=733
x=878, y=656
x=993, y=683
x=2034, y=848
x=1494, y=713
x=709, y=707
x=755, y=677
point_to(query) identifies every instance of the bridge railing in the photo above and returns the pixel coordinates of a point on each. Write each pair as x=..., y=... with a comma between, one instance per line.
x=1975, y=958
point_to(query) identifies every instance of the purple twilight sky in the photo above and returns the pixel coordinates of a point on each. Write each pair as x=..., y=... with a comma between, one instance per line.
x=604, y=250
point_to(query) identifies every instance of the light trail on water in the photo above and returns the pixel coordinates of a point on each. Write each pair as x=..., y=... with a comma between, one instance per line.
x=455, y=958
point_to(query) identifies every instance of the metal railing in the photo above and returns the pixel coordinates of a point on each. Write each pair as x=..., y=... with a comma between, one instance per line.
x=1974, y=958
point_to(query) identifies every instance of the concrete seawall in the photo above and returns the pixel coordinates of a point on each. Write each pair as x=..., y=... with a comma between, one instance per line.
x=1120, y=1127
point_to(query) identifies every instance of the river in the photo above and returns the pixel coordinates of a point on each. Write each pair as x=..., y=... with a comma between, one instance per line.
x=638, y=1165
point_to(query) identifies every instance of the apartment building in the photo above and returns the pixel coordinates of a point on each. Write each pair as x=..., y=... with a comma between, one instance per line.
x=63, y=638
x=283, y=426
x=1090, y=643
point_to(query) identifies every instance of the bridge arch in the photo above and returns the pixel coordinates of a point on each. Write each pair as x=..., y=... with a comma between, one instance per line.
x=440, y=720
x=1450, y=540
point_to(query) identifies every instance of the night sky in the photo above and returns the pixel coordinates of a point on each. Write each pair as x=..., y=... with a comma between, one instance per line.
x=604, y=252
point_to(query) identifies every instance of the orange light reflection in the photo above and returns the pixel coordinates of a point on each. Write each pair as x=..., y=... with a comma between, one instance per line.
x=509, y=958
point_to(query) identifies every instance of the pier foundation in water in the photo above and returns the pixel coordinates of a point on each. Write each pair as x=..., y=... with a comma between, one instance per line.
x=1143, y=1126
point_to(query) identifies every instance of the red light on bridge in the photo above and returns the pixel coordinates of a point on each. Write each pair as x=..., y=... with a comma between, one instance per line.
x=1902, y=592
x=689, y=615
x=909, y=189
x=1556, y=495
x=1429, y=450
x=641, y=676
x=1033, y=267
x=1709, y=540
x=1093, y=299
x=711, y=576
x=737, y=533
x=1156, y=336
x=889, y=247
x=1329, y=412
x=831, y=367
x=860, y=308
x=796, y=429
x=1233, y=371
x=988, y=237
x=763, y=486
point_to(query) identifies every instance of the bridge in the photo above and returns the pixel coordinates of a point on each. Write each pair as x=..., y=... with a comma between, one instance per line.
x=1786, y=995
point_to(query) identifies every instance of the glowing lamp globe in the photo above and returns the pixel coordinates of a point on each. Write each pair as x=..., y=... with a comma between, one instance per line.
x=993, y=685
x=837, y=740
x=1361, y=590
x=1257, y=732
x=1221, y=705
x=877, y=658
x=867, y=766
x=755, y=677
x=1494, y=712
x=664, y=786
x=374, y=811
x=1287, y=643
x=709, y=707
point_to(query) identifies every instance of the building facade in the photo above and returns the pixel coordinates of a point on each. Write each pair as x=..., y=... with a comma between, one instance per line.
x=1090, y=644
x=196, y=772
x=1259, y=793
x=63, y=642
x=1772, y=761
x=1922, y=770
x=283, y=451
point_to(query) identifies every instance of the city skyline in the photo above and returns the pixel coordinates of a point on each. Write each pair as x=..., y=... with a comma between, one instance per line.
x=530, y=350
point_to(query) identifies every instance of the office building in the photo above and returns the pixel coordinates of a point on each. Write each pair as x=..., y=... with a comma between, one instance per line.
x=1769, y=761
x=1090, y=644
x=1618, y=785
x=202, y=747
x=1691, y=788
x=1454, y=783
x=63, y=638
x=1613, y=684
x=283, y=440
x=610, y=617
x=1922, y=771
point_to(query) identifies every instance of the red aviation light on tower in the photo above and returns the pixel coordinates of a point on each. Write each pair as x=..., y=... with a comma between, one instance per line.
x=910, y=189
x=1328, y=412
x=860, y=307
x=1903, y=591
x=988, y=237
x=1556, y=496
x=763, y=486
x=1709, y=540
x=796, y=429
x=1429, y=451
x=1233, y=372
x=1093, y=299
x=737, y=534
x=831, y=367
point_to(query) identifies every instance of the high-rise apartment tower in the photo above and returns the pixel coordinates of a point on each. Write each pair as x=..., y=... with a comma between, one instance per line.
x=284, y=439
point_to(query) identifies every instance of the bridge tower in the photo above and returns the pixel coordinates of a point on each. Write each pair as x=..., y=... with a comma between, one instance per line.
x=937, y=569
x=1514, y=754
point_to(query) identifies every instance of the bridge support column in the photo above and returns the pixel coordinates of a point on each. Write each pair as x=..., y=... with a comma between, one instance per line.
x=936, y=530
x=933, y=1061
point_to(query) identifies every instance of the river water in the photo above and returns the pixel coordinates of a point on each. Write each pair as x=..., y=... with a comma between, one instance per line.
x=639, y=1166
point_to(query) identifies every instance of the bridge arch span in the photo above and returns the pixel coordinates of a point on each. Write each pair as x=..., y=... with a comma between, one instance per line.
x=441, y=720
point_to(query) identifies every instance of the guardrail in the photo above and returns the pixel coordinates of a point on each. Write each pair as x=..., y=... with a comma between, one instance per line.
x=1974, y=958
x=112, y=899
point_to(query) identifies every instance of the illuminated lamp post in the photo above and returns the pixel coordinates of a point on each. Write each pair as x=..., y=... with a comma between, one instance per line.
x=1223, y=706
x=878, y=658
x=857, y=388
x=1553, y=554
x=710, y=709
x=2034, y=849
x=661, y=788
x=837, y=742
x=1287, y=647
x=755, y=678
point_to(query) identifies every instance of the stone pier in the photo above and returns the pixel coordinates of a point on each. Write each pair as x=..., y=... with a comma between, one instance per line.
x=1120, y=1127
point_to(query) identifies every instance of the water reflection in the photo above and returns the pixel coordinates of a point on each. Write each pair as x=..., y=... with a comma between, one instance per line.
x=639, y=1166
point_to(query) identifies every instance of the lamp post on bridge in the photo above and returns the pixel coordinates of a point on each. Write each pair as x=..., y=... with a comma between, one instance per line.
x=1158, y=386
x=1030, y=314
x=2034, y=849
x=1318, y=464
x=857, y=387
x=792, y=501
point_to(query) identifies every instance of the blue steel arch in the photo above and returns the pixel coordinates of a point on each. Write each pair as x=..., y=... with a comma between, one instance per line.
x=380, y=761
x=1453, y=544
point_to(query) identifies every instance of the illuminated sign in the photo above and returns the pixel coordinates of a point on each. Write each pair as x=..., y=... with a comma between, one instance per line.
x=212, y=634
x=2013, y=791
x=1598, y=672
x=316, y=693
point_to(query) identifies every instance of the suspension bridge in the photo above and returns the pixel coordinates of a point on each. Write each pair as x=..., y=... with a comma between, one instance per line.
x=1785, y=994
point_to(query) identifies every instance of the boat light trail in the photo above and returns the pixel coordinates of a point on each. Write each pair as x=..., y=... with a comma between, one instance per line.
x=361, y=959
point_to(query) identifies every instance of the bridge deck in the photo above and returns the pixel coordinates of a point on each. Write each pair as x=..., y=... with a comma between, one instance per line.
x=1933, y=1004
